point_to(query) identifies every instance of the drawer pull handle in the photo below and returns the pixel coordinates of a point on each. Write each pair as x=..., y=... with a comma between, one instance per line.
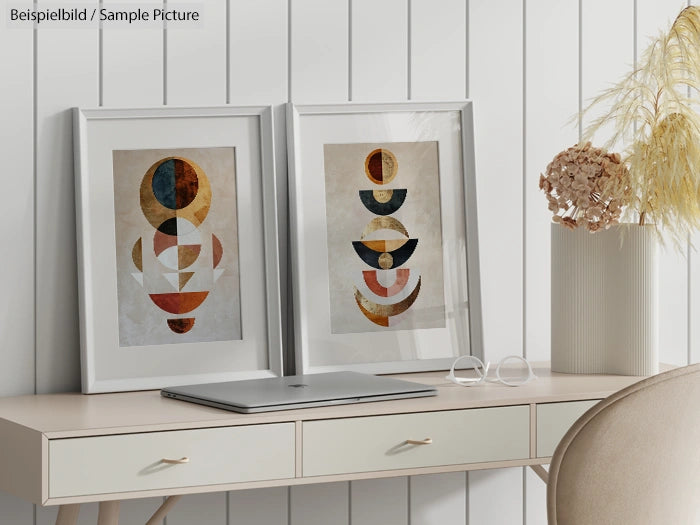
x=180, y=461
x=426, y=441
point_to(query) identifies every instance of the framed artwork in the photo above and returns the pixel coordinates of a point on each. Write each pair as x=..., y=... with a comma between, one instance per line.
x=177, y=241
x=384, y=236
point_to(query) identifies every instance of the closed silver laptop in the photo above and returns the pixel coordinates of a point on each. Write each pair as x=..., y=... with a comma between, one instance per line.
x=301, y=391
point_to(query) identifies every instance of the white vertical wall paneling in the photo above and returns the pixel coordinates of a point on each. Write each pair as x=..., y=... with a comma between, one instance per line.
x=140, y=510
x=323, y=504
x=202, y=509
x=319, y=51
x=15, y=511
x=439, y=498
x=496, y=497
x=536, y=505
x=131, y=511
x=379, y=50
x=652, y=17
x=67, y=75
x=258, y=68
x=133, y=62
x=382, y=501
x=551, y=88
x=89, y=513
x=17, y=280
x=196, y=59
x=438, y=50
x=495, y=72
x=694, y=306
x=607, y=51
x=258, y=507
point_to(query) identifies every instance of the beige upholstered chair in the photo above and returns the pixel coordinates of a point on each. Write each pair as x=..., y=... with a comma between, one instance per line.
x=632, y=459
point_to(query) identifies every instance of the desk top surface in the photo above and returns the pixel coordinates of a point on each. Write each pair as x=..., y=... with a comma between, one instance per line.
x=76, y=415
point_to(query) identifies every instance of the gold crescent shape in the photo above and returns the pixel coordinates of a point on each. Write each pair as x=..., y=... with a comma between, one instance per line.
x=384, y=223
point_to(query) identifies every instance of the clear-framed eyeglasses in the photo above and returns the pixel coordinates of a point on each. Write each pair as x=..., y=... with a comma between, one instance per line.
x=519, y=371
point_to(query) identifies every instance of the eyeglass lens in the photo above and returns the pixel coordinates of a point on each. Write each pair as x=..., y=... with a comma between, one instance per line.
x=513, y=370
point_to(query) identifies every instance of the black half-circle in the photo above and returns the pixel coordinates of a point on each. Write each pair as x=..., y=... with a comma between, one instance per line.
x=400, y=255
x=169, y=226
x=383, y=208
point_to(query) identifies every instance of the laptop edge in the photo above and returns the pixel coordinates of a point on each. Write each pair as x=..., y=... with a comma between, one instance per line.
x=291, y=406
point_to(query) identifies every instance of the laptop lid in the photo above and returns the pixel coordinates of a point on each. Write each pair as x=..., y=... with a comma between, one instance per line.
x=301, y=391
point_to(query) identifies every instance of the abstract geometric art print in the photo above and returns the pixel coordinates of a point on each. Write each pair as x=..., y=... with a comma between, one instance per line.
x=384, y=236
x=176, y=246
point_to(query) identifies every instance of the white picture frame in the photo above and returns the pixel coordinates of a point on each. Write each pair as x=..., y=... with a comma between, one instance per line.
x=313, y=131
x=257, y=351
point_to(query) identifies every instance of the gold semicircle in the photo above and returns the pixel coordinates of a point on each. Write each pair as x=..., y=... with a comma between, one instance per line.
x=384, y=223
x=376, y=319
x=385, y=245
x=137, y=254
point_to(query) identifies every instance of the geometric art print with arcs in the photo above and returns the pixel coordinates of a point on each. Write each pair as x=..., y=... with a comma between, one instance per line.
x=384, y=236
x=177, y=246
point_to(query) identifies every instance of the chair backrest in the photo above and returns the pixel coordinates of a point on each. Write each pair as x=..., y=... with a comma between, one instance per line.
x=632, y=459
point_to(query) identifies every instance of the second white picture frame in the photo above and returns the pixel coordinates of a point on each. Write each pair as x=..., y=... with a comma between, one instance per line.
x=384, y=243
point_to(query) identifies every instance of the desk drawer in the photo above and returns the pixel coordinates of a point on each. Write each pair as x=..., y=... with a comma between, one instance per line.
x=132, y=462
x=367, y=444
x=554, y=420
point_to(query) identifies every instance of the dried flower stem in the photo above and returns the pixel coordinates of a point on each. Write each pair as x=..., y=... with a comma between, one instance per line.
x=653, y=111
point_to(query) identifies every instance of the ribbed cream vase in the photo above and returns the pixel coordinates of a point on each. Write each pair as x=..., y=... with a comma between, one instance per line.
x=605, y=301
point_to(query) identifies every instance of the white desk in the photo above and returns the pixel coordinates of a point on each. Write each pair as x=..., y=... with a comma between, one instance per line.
x=67, y=449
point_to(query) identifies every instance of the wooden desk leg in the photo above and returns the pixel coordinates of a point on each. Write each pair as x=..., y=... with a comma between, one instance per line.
x=68, y=514
x=108, y=513
x=163, y=510
x=541, y=472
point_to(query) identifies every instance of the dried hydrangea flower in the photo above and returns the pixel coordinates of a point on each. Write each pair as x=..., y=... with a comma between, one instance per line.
x=586, y=186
